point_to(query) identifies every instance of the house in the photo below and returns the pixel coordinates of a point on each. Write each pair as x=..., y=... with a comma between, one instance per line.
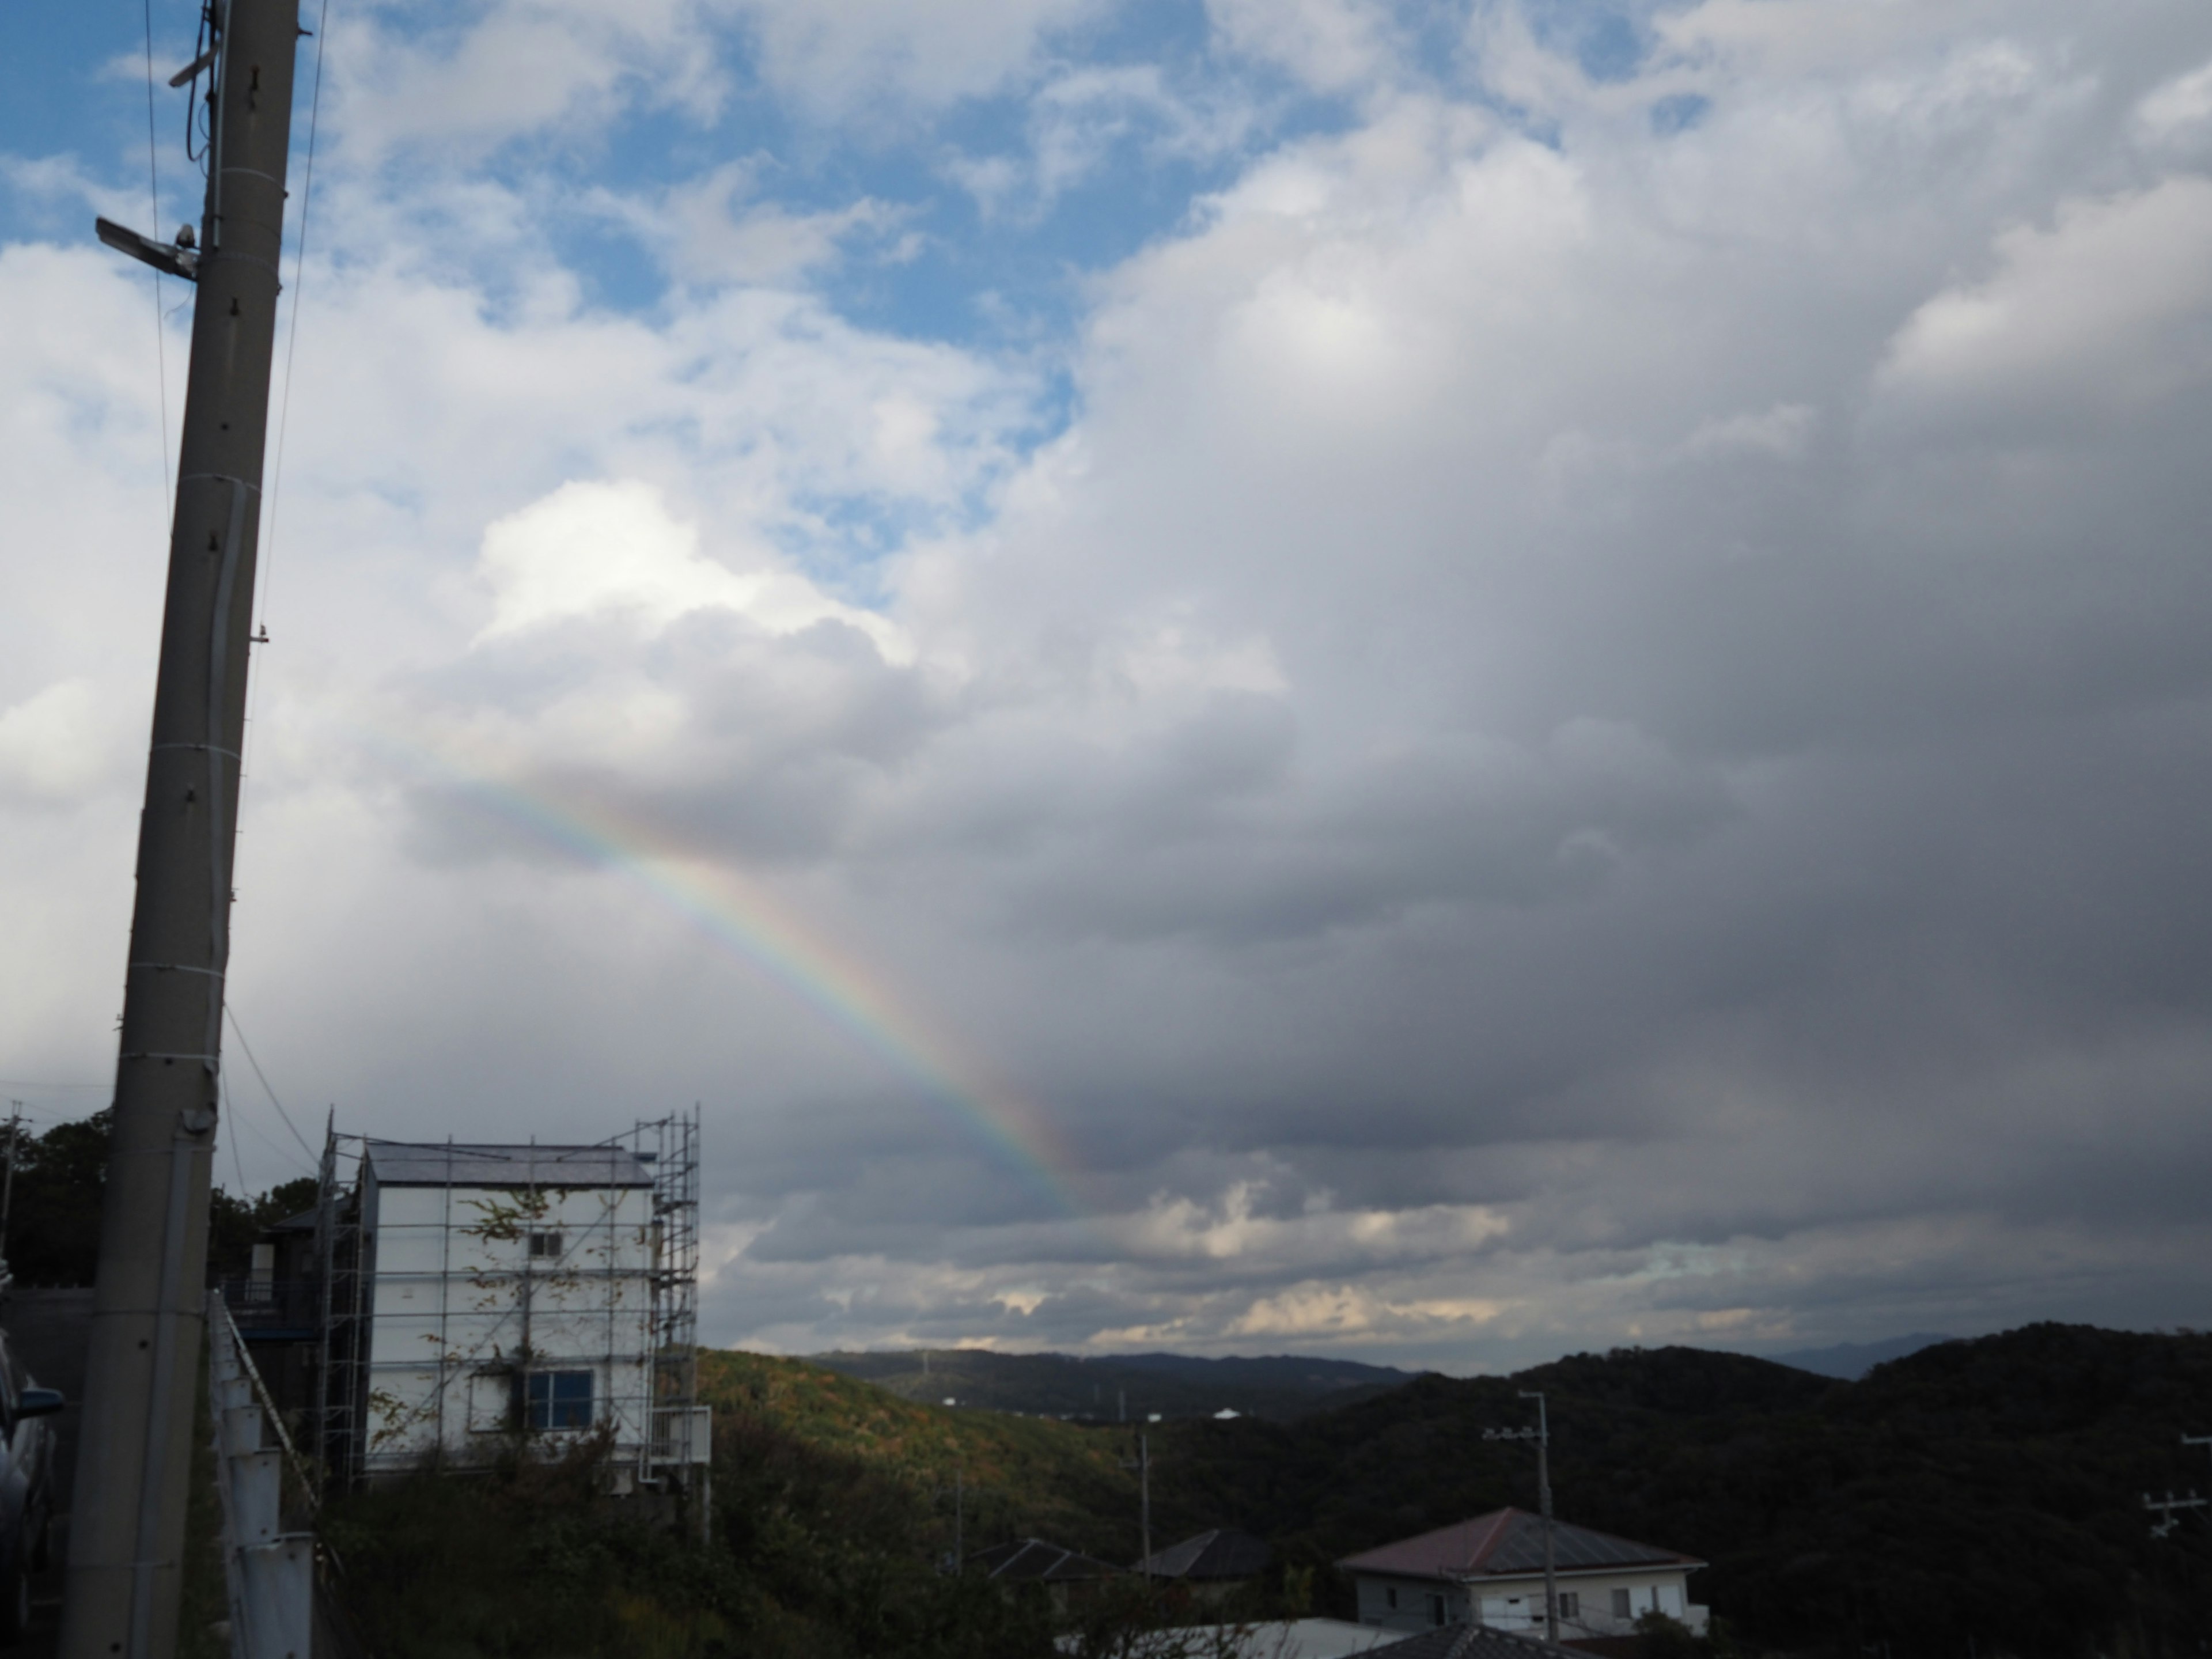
x=1031, y=1564
x=1490, y=1571
x=1212, y=1566
x=503, y=1290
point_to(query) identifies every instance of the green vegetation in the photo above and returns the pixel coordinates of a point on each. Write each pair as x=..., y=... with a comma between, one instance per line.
x=1105, y=1390
x=1015, y=1477
x=1979, y=1499
x=833, y=1506
x=53, y=1222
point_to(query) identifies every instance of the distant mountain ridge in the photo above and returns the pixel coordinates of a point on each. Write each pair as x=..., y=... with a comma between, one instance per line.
x=1850, y=1361
x=1116, y=1388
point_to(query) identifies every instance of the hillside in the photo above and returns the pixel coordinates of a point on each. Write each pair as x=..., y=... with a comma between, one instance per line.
x=1120, y=1388
x=1976, y=1498
x=1017, y=1476
x=1984, y=1493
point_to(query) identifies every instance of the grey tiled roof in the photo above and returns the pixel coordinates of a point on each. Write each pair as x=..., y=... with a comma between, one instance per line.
x=1031, y=1560
x=1508, y=1543
x=441, y=1164
x=1225, y=1552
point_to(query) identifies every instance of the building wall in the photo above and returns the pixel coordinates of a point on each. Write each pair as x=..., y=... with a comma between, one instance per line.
x=461, y=1302
x=1517, y=1604
x=1398, y=1603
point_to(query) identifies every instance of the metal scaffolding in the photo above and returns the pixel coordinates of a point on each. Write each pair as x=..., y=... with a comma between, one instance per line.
x=679, y=1448
x=472, y=1295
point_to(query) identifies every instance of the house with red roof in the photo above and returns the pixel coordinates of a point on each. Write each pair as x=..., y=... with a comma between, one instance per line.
x=1490, y=1571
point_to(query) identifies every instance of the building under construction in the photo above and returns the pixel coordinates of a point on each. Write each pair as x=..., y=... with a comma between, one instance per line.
x=446, y=1302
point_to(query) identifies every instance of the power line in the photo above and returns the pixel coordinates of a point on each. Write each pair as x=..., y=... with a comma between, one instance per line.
x=230, y=1118
x=291, y=349
x=161, y=316
x=271, y=1093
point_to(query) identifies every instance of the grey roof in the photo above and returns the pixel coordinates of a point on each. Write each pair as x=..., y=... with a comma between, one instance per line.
x=1031, y=1560
x=1471, y=1642
x=1225, y=1552
x=452, y=1164
x=1508, y=1543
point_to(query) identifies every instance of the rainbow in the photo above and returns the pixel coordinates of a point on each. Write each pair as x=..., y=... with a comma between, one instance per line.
x=742, y=918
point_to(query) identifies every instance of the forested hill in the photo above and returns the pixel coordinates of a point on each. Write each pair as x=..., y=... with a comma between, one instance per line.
x=1980, y=1497
x=1117, y=1388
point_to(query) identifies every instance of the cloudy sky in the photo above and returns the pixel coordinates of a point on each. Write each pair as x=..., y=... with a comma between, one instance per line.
x=1440, y=681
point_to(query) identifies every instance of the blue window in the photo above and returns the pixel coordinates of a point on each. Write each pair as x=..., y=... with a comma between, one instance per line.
x=557, y=1399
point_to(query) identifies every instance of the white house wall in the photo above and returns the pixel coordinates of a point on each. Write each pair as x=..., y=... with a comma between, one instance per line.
x=456, y=1301
x=1517, y=1604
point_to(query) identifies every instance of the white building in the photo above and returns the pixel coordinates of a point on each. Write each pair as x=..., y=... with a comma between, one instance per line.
x=1490, y=1571
x=505, y=1291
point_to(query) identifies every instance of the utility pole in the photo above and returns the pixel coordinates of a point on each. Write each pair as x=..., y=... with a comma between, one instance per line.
x=7, y=1188
x=1143, y=1465
x=2168, y=1509
x=1541, y=1434
x=135, y=1446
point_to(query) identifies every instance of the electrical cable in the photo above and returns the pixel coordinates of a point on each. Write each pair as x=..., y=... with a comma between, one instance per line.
x=263, y=1076
x=268, y=571
x=230, y=1123
x=161, y=316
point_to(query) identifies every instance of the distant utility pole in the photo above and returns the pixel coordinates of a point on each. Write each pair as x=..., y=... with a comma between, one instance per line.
x=1541, y=1434
x=2168, y=1509
x=1143, y=1465
x=134, y=1445
x=2205, y=1440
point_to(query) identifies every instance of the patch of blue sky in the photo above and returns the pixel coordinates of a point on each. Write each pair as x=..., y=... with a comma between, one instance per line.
x=1679, y=112
x=73, y=84
x=994, y=212
x=1609, y=42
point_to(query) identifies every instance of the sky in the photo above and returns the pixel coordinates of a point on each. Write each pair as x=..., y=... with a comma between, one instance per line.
x=1440, y=683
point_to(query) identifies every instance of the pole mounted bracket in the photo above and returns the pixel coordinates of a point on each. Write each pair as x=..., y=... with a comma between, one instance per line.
x=162, y=256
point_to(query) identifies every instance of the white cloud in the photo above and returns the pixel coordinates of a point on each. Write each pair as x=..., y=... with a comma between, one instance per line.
x=589, y=548
x=2178, y=113
x=58, y=746
x=1333, y=46
x=854, y=60
x=709, y=233
x=2109, y=304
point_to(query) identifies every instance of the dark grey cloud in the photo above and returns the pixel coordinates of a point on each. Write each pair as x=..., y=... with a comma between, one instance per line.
x=1586, y=740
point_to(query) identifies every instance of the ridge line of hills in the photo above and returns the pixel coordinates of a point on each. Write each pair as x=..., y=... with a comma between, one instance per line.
x=1981, y=1495
x=1136, y=1387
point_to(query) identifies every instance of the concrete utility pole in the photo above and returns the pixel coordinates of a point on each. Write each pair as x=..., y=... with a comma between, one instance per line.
x=1541, y=1434
x=127, y=1523
x=1143, y=1465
